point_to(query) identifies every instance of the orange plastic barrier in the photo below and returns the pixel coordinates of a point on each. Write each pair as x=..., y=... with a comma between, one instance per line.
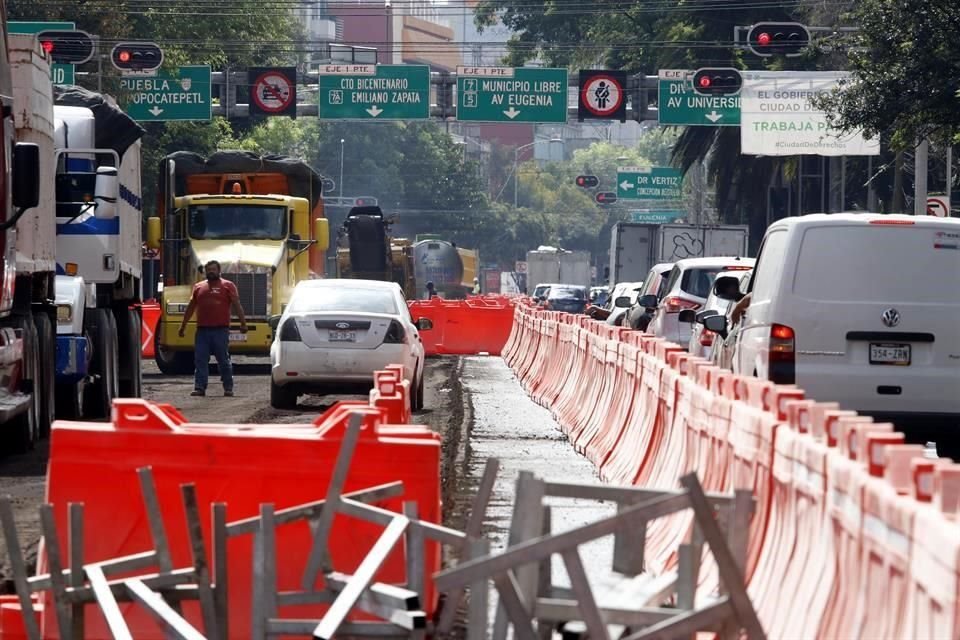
x=243, y=466
x=854, y=534
x=479, y=324
x=150, y=316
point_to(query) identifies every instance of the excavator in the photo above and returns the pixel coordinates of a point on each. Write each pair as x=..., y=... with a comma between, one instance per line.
x=366, y=250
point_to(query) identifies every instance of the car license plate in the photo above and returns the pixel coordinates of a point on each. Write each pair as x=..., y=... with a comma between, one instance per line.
x=343, y=336
x=886, y=353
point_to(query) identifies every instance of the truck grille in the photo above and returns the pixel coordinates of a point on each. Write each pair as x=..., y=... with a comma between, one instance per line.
x=253, y=289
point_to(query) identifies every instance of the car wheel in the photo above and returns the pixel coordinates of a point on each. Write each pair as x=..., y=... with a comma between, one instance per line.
x=419, y=394
x=282, y=397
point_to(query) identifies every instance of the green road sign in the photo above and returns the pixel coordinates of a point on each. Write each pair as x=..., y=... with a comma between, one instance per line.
x=374, y=92
x=649, y=183
x=507, y=94
x=678, y=103
x=184, y=96
x=59, y=73
x=654, y=216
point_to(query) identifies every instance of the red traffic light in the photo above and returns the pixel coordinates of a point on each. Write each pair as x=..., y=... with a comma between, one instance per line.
x=763, y=39
x=704, y=82
x=67, y=47
x=587, y=182
x=717, y=82
x=778, y=38
x=123, y=56
x=606, y=197
x=136, y=56
x=48, y=46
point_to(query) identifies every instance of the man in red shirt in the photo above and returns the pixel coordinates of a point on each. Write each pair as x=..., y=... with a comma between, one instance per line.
x=213, y=302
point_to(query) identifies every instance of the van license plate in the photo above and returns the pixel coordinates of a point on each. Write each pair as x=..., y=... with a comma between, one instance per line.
x=238, y=337
x=885, y=353
x=343, y=336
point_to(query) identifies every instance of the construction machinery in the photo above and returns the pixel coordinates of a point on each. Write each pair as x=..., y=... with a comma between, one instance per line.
x=365, y=250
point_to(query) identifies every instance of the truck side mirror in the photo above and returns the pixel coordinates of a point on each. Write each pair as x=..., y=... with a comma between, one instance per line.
x=106, y=192
x=153, y=233
x=26, y=175
x=321, y=233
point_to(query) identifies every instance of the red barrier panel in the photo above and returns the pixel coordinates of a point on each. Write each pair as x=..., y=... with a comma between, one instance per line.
x=465, y=327
x=150, y=315
x=243, y=466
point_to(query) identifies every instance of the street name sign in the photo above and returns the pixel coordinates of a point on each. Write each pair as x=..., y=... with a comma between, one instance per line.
x=649, y=183
x=508, y=94
x=679, y=104
x=165, y=97
x=655, y=216
x=59, y=73
x=374, y=92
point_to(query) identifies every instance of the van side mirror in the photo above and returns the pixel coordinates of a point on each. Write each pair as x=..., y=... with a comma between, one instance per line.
x=622, y=302
x=26, y=175
x=424, y=324
x=106, y=193
x=154, y=233
x=727, y=288
x=687, y=315
x=649, y=301
x=321, y=233
x=717, y=324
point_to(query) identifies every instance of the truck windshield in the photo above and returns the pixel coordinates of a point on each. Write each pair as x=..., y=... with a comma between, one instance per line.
x=237, y=222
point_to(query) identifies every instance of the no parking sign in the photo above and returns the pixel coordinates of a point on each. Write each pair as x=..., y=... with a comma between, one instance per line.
x=273, y=91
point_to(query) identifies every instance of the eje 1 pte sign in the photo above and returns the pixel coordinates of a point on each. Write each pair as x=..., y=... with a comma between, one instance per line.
x=507, y=94
x=649, y=183
x=164, y=97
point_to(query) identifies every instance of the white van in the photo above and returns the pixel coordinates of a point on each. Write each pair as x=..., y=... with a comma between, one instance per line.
x=861, y=309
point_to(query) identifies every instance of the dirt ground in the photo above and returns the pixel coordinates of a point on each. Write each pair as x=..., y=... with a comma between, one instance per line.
x=22, y=477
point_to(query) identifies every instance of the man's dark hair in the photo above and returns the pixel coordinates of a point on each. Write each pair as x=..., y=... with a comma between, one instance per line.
x=212, y=263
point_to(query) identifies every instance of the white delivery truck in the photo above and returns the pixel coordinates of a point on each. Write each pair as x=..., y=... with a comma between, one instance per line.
x=548, y=265
x=636, y=247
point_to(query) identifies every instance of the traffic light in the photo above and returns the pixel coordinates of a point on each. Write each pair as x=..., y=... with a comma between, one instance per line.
x=717, y=82
x=606, y=197
x=67, y=47
x=587, y=182
x=136, y=56
x=778, y=38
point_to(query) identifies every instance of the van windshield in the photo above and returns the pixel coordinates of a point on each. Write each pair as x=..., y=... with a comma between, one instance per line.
x=879, y=263
x=237, y=222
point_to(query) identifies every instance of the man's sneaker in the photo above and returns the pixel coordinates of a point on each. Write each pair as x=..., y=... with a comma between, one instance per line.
x=198, y=393
x=228, y=394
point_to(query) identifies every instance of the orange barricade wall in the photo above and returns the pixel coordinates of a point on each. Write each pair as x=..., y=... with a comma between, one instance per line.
x=479, y=324
x=243, y=466
x=854, y=534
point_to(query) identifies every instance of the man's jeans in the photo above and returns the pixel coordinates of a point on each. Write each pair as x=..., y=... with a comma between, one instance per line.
x=213, y=341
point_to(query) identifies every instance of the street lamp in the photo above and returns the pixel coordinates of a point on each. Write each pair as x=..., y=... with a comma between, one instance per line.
x=516, y=159
x=341, y=167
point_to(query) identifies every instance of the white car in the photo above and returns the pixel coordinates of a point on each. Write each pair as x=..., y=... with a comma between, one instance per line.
x=688, y=285
x=336, y=333
x=629, y=290
x=859, y=309
x=702, y=339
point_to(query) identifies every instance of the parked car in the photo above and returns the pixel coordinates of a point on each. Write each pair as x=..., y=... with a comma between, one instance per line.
x=860, y=309
x=629, y=292
x=688, y=285
x=727, y=290
x=567, y=298
x=335, y=333
x=638, y=316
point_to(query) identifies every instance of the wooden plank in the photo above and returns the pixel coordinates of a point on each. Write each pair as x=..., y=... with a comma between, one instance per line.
x=589, y=612
x=51, y=543
x=516, y=610
x=19, y=568
x=414, y=549
x=75, y=517
x=478, y=616
x=198, y=552
x=108, y=604
x=172, y=622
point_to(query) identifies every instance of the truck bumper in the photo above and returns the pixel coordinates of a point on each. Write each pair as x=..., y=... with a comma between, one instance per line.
x=13, y=400
x=71, y=359
x=256, y=342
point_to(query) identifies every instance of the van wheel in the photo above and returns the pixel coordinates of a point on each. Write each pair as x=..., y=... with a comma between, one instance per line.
x=99, y=395
x=284, y=398
x=24, y=431
x=172, y=363
x=47, y=347
x=128, y=335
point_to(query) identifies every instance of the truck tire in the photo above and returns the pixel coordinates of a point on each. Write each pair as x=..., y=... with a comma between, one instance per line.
x=47, y=344
x=99, y=394
x=130, y=369
x=24, y=431
x=282, y=397
x=172, y=363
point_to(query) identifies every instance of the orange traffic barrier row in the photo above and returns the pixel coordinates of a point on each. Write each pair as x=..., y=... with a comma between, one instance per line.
x=243, y=466
x=854, y=533
x=479, y=324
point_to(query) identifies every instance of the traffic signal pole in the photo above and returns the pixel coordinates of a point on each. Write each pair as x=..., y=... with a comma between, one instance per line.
x=920, y=162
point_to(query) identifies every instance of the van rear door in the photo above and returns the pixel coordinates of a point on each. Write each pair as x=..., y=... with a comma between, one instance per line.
x=875, y=307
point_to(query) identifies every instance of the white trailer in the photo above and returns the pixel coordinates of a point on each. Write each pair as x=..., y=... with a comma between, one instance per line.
x=556, y=266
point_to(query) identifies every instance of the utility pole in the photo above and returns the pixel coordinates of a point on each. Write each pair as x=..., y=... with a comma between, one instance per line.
x=949, y=189
x=920, y=178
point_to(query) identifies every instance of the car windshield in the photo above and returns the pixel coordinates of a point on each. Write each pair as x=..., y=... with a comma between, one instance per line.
x=237, y=222
x=346, y=299
x=568, y=293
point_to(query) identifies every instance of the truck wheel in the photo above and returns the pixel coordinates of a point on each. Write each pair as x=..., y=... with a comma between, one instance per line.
x=70, y=401
x=282, y=397
x=25, y=433
x=47, y=347
x=99, y=394
x=172, y=363
x=128, y=336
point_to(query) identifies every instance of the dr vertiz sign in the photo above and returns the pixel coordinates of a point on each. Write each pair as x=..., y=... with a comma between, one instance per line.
x=777, y=117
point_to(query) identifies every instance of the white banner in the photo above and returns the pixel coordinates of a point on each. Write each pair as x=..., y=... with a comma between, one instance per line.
x=777, y=118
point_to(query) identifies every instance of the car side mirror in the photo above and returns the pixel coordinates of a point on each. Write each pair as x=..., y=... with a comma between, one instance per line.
x=703, y=315
x=716, y=323
x=623, y=302
x=274, y=322
x=648, y=301
x=687, y=315
x=726, y=288
x=424, y=324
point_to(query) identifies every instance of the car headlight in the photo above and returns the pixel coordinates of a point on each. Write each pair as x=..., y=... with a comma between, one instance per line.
x=178, y=308
x=64, y=314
